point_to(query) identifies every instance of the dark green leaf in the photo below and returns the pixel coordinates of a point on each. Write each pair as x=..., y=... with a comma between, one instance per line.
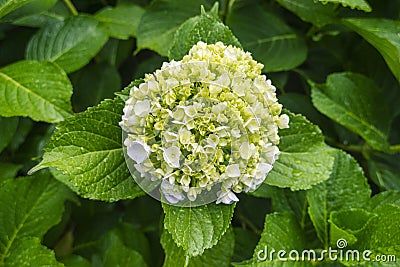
x=8, y=127
x=7, y=6
x=93, y=84
x=206, y=28
x=8, y=170
x=71, y=43
x=161, y=20
x=87, y=148
x=196, y=229
x=39, y=90
x=385, y=171
x=383, y=35
x=391, y=197
x=29, y=10
x=269, y=39
x=311, y=11
x=122, y=21
x=350, y=99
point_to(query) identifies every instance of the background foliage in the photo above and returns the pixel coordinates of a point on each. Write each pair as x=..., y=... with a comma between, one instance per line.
x=336, y=64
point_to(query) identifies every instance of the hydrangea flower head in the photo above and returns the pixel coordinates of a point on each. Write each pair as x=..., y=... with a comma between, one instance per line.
x=204, y=128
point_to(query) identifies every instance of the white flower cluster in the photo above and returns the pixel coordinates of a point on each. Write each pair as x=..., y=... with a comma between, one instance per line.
x=209, y=120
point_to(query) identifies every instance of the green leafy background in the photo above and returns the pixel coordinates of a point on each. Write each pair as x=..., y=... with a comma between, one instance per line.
x=67, y=197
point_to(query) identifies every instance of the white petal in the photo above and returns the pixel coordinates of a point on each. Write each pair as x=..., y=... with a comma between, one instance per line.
x=283, y=121
x=138, y=151
x=262, y=170
x=142, y=108
x=171, y=156
x=233, y=170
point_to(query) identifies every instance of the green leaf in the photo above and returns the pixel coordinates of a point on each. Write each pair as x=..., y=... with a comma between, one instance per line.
x=122, y=21
x=269, y=39
x=39, y=90
x=117, y=254
x=205, y=27
x=71, y=43
x=93, y=84
x=75, y=261
x=9, y=126
x=196, y=229
x=304, y=160
x=30, y=206
x=245, y=243
x=88, y=149
x=28, y=252
x=383, y=35
x=311, y=11
x=161, y=20
x=346, y=188
x=354, y=4
x=350, y=100
x=31, y=9
x=385, y=171
x=281, y=232
x=218, y=255
x=8, y=170
x=392, y=197
x=6, y=6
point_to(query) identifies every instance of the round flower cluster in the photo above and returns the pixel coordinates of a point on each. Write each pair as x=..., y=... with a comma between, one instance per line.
x=203, y=128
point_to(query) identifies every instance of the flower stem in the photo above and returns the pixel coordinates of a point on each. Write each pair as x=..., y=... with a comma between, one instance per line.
x=249, y=224
x=71, y=7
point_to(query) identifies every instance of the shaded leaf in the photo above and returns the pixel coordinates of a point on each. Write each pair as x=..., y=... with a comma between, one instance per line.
x=8, y=170
x=350, y=99
x=71, y=43
x=311, y=11
x=8, y=127
x=274, y=44
x=383, y=35
x=122, y=21
x=39, y=90
x=385, y=171
x=161, y=20
x=354, y=4
x=7, y=6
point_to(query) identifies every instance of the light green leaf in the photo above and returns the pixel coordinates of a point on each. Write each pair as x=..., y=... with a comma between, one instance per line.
x=383, y=35
x=122, y=21
x=6, y=6
x=117, y=254
x=88, y=149
x=196, y=229
x=351, y=100
x=354, y=4
x=161, y=20
x=304, y=160
x=28, y=251
x=269, y=39
x=205, y=27
x=39, y=90
x=8, y=126
x=75, y=261
x=30, y=9
x=30, y=206
x=8, y=170
x=311, y=11
x=71, y=43
x=219, y=255
x=346, y=188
